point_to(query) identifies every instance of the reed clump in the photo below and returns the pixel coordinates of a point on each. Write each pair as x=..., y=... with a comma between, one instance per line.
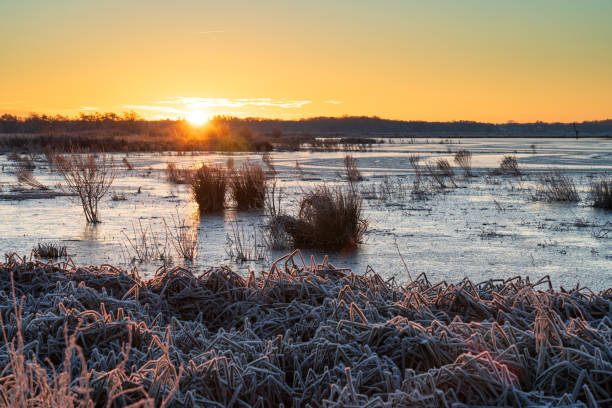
x=248, y=186
x=50, y=250
x=509, y=166
x=601, y=193
x=352, y=171
x=463, y=159
x=298, y=334
x=209, y=185
x=555, y=186
x=328, y=218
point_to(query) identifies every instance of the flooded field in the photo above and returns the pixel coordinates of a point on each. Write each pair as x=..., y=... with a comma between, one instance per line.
x=487, y=226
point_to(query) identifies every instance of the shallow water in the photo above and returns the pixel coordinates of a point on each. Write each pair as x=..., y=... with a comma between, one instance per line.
x=485, y=228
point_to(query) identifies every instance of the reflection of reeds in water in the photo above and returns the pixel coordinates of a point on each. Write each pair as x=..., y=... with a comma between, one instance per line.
x=297, y=334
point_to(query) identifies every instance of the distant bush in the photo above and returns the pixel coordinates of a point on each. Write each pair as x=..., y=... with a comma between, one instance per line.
x=556, y=187
x=509, y=166
x=328, y=219
x=463, y=158
x=352, y=172
x=601, y=193
x=208, y=185
x=248, y=186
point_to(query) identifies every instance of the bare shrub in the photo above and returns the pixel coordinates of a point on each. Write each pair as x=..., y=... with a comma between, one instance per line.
x=178, y=175
x=327, y=219
x=51, y=250
x=350, y=166
x=208, y=185
x=463, y=158
x=88, y=177
x=555, y=186
x=601, y=193
x=509, y=166
x=184, y=237
x=248, y=186
x=244, y=246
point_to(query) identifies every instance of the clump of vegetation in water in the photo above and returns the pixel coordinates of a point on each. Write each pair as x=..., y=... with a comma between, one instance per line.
x=463, y=158
x=328, y=218
x=556, y=187
x=208, y=185
x=248, y=186
x=601, y=193
x=509, y=166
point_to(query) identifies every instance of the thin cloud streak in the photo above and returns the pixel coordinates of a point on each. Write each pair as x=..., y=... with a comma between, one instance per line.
x=196, y=102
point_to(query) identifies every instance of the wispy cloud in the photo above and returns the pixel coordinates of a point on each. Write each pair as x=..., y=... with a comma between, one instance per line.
x=154, y=108
x=209, y=32
x=198, y=103
x=333, y=102
x=89, y=108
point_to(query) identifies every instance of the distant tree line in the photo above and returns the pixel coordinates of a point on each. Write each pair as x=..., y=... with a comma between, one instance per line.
x=131, y=123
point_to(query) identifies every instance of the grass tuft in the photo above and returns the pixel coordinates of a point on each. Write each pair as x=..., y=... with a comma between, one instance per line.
x=601, y=193
x=328, y=219
x=556, y=187
x=208, y=185
x=248, y=186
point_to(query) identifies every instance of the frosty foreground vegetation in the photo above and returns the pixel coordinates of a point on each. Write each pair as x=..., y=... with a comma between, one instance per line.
x=299, y=335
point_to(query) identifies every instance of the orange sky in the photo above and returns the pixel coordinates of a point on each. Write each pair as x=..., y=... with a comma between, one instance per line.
x=441, y=60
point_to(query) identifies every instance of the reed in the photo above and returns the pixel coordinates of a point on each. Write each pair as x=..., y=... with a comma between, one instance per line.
x=209, y=185
x=509, y=166
x=352, y=171
x=248, y=186
x=554, y=186
x=463, y=158
x=329, y=219
x=601, y=193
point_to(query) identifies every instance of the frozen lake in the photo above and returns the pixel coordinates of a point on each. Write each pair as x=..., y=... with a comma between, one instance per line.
x=486, y=227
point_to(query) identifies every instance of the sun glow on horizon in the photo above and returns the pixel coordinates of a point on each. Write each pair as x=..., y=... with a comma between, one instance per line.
x=197, y=118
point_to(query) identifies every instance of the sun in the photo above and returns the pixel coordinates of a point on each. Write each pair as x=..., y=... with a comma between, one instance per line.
x=196, y=118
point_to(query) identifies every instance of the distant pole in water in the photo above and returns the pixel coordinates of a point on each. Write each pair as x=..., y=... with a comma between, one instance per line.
x=575, y=129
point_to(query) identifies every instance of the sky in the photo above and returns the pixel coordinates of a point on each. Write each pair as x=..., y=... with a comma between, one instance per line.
x=482, y=60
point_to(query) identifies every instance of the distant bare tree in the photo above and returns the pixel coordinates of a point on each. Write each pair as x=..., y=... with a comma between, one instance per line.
x=88, y=177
